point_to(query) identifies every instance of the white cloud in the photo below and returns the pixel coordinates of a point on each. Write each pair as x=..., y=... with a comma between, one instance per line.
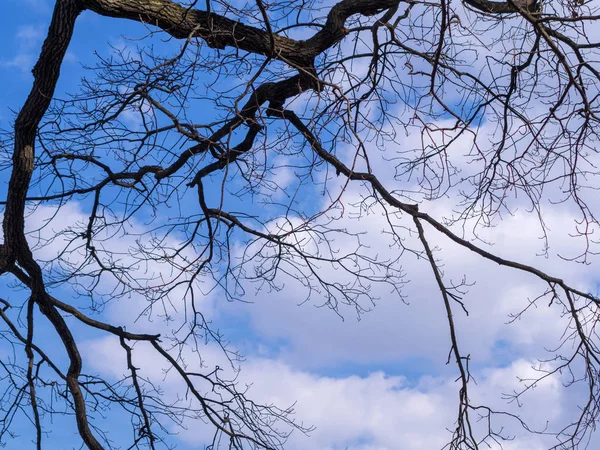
x=375, y=411
x=21, y=61
x=360, y=413
x=28, y=39
x=53, y=232
x=379, y=411
x=313, y=337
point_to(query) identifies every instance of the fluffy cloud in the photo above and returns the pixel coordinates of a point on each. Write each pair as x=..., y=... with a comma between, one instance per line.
x=290, y=346
x=28, y=38
x=361, y=413
x=394, y=330
x=409, y=394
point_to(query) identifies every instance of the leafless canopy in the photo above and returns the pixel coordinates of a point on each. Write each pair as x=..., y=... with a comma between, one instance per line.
x=188, y=137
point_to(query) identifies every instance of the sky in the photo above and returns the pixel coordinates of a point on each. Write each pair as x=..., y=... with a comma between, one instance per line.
x=372, y=381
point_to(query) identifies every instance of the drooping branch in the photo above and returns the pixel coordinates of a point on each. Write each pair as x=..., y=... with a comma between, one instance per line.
x=413, y=210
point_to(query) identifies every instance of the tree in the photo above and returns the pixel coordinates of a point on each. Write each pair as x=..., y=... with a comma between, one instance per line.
x=189, y=133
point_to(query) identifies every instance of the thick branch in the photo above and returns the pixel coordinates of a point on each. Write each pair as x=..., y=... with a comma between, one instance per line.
x=218, y=31
x=507, y=7
x=16, y=248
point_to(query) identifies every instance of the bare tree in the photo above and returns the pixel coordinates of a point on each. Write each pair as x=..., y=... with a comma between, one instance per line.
x=186, y=131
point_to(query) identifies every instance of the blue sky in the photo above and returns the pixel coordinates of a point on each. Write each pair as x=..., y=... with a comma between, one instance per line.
x=365, y=382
